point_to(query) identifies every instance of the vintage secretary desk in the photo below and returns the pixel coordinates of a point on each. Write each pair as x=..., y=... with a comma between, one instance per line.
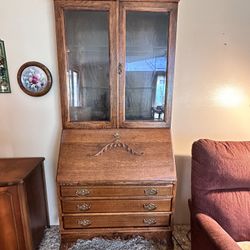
x=116, y=173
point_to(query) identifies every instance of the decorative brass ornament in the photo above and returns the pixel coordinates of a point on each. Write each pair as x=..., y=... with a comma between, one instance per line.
x=83, y=207
x=118, y=144
x=84, y=222
x=150, y=191
x=149, y=221
x=82, y=192
x=149, y=206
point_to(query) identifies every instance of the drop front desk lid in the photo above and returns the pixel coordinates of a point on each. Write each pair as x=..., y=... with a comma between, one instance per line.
x=112, y=156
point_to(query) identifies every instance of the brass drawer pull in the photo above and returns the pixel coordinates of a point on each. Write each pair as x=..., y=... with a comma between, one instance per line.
x=149, y=206
x=82, y=192
x=150, y=191
x=83, y=207
x=149, y=221
x=84, y=222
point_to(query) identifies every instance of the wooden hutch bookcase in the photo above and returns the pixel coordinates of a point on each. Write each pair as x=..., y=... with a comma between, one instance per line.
x=116, y=174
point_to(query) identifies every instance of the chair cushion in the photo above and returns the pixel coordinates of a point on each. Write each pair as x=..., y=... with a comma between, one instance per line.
x=244, y=245
x=225, y=165
x=221, y=184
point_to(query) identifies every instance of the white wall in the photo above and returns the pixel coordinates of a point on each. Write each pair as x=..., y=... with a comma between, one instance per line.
x=213, y=52
x=212, y=81
x=30, y=126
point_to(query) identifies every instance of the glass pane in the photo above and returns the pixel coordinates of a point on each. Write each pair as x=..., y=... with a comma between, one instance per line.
x=146, y=64
x=87, y=45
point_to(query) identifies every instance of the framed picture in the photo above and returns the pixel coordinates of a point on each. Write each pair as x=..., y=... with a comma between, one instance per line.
x=34, y=79
x=4, y=75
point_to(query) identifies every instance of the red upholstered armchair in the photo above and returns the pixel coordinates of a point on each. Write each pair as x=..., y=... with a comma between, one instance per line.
x=220, y=203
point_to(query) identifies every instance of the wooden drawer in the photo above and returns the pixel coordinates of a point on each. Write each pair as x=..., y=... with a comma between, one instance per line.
x=108, y=206
x=116, y=191
x=117, y=220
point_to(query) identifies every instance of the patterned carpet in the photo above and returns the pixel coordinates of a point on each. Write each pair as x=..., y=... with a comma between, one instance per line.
x=51, y=241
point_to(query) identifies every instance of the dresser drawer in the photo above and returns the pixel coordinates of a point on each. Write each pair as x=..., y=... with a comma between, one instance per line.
x=117, y=220
x=108, y=206
x=116, y=191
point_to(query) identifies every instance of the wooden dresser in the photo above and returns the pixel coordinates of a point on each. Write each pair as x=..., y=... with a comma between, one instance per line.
x=116, y=192
x=116, y=174
x=23, y=203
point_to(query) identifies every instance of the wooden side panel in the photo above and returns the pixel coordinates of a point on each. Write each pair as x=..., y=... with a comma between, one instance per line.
x=37, y=204
x=11, y=236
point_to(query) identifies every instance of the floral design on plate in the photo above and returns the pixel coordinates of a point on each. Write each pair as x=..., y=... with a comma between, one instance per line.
x=34, y=78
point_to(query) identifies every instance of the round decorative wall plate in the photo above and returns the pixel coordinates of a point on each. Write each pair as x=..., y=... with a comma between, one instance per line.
x=34, y=79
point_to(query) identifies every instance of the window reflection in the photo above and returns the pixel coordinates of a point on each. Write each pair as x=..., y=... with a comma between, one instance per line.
x=74, y=88
x=146, y=63
x=159, y=101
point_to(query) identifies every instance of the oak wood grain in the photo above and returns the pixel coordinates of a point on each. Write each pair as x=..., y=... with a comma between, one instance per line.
x=117, y=191
x=117, y=220
x=16, y=169
x=77, y=163
x=108, y=206
x=11, y=236
x=105, y=195
x=23, y=214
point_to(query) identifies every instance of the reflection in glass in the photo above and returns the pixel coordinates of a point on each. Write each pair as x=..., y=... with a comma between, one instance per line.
x=146, y=64
x=88, y=64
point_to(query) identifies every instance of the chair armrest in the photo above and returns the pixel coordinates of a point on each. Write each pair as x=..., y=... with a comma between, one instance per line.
x=219, y=238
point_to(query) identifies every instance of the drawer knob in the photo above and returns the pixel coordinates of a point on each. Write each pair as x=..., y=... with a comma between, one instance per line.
x=149, y=221
x=83, y=207
x=150, y=191
x=82, y=192
x=149, y=206
x=84, y=222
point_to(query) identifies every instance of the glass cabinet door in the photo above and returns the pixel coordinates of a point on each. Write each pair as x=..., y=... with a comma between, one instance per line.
x=87, y=44
x=116, y=62
x=145, y=43
x=87, y=34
